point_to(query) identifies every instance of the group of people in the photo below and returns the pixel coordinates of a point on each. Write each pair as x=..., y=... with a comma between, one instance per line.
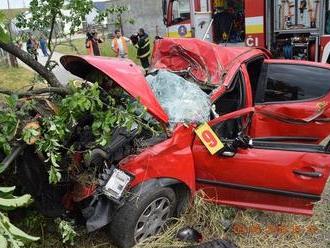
x=119, y=45
x=32, y=46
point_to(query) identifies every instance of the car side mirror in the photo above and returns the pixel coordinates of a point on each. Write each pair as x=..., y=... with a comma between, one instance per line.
x=228, y=154
x=230, y=149
x=242, y=141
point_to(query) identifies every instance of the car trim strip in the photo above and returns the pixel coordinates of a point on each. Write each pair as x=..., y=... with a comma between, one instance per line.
x=260, y=189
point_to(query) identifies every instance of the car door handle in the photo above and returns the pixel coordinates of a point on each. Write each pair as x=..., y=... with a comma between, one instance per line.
x=314, y=174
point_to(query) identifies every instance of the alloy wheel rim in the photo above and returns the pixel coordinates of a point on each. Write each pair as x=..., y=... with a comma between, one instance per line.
x=152, y=219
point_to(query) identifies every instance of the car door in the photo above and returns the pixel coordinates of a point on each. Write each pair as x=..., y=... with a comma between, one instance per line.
x=267, y=175
x=292, y=100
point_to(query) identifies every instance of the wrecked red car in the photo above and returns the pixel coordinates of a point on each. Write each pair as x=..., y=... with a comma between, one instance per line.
x=266, y=144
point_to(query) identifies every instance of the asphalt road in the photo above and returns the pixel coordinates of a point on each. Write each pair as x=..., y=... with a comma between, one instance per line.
x=62, y=75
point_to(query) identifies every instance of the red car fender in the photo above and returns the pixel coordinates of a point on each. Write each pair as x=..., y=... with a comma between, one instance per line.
x=170, y=159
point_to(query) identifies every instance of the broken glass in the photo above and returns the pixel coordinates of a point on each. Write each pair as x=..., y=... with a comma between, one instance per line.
x=182, y=100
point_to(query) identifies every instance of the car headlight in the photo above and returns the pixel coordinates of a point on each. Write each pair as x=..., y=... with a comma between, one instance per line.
x=116, y=184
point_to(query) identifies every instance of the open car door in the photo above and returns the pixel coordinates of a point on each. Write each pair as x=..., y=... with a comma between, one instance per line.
x=293, y=101
x=260, y=173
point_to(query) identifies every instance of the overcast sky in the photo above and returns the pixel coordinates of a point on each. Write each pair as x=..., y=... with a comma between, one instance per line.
x=22, y=3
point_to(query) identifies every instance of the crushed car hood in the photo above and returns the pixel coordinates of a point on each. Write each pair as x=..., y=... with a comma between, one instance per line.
x=207, y=63
x=122, y=71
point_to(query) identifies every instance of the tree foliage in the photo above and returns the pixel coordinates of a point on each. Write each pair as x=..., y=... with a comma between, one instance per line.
x=10, y=235
x=49, y=133
x=45, y=13
x=3, y=31
x=114, y=12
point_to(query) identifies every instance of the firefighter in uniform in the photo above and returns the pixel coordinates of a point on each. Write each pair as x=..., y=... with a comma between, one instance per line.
x=143, y=48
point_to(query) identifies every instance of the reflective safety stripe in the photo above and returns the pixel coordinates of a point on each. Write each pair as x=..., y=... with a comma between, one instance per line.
x=144, y=55
x=145, y=45
x=254, y=25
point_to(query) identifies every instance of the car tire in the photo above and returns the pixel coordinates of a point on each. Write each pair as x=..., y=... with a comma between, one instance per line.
x=143, y=216
x=218, y=243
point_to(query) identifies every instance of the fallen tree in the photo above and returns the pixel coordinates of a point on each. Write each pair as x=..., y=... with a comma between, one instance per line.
x=35, y=65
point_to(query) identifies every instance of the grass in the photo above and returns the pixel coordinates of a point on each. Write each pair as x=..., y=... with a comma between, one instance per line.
x=105, y=49
x=18, y=79
x=15, y=78
x=262, y=229
x=251, y=228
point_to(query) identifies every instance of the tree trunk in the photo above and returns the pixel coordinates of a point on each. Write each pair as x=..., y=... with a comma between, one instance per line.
x=27, y=59
x=13, y=60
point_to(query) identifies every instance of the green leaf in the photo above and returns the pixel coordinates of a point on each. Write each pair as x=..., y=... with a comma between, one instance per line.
x=9, y=204
x=13, y=230
x=6, y=190
x=11, y=101
x=3, y=242
x=54, y=175
x=4, y=37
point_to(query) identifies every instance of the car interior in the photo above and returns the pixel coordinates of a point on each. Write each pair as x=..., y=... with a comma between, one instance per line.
x=234, y=100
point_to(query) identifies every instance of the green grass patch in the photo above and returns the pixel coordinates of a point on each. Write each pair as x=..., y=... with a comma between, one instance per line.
x=16, y=79
x=248, y=229
x=105, y=49
x=252, y=228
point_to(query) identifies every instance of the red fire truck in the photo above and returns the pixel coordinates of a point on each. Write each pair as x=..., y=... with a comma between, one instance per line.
x=292, y=29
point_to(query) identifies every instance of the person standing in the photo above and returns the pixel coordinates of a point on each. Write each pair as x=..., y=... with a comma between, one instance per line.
x=32, y=47
x=92, y=43
x=119, y=45
x=143, y=48
x=43, y=45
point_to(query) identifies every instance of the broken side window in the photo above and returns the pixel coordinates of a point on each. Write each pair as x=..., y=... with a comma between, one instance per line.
x=233, y=99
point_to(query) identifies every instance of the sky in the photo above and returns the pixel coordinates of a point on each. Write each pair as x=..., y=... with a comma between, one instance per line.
x=14, y=4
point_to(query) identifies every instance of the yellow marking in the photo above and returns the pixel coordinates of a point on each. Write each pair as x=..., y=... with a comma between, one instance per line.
x=254, y=29
x=209, y=138
x=176, y=35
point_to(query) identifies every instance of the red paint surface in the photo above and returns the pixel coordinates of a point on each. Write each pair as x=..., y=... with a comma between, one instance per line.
x=169, y=159
x=207, y=62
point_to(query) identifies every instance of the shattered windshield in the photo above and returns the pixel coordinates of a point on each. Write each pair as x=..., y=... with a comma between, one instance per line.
x=183, y=101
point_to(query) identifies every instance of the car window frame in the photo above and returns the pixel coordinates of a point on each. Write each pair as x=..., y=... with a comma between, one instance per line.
x=262, y=85
x=246, y=111
x=220, y=93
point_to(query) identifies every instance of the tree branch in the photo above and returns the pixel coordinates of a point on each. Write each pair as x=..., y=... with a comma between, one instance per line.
x=51, y=31
x=27, y=59
x=60, y=91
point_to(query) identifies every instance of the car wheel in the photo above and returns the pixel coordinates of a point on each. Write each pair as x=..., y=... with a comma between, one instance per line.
x=142, y=217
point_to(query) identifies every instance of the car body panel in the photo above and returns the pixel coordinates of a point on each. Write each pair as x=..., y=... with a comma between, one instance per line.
x=260, y=177
x=208, y=63
x=171, y=158
x=124, y=72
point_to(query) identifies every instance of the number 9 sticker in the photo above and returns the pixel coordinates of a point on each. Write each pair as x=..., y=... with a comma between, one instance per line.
x=209, y=138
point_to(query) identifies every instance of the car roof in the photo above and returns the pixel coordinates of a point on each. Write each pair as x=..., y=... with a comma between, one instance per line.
x=208, y=63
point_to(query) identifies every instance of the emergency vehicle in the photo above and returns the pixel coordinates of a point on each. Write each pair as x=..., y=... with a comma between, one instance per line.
x=291, y=29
